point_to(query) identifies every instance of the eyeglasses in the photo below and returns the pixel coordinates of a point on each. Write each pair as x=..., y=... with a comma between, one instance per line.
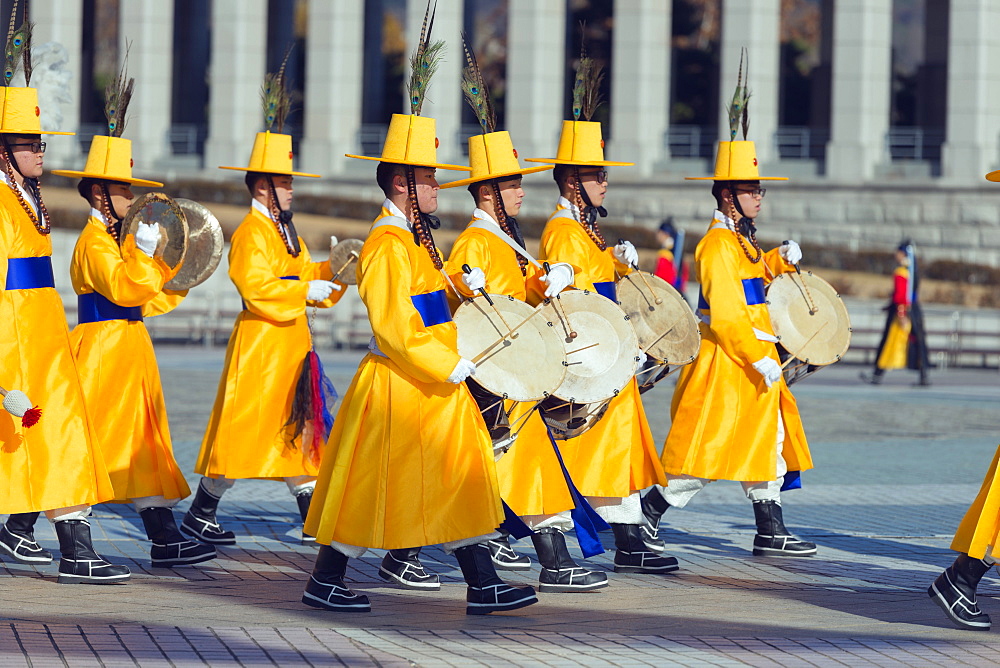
x=753, y=192
x=601, y=175
x=35, y=146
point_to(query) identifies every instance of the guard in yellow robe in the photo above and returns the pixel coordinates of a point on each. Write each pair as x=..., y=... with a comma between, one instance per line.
x=616, y=457
x=56, y=465
x=409, y=462
x=733, y=416
x=531, y=478
x=977, y=541
x=249, y=433
x=117, y=285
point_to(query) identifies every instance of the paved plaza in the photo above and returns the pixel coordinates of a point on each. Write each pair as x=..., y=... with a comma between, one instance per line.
x=896, y=466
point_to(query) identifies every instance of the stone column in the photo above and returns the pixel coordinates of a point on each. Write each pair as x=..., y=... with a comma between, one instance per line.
x=239, y=54
x=444, y=98
x=536, y=69
x=862, y=57
x=334, y=79
x=147, y=31
x=973, y=117
x=756, y=26
x=59, y=22
x=640, y=82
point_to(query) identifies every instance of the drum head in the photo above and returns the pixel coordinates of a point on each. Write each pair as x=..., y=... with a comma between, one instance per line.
x=809, y=317
x=204, y=246
x=344, y=260
x=601, y=359
x=158, y=208
x=665, y=324
x=528, y=367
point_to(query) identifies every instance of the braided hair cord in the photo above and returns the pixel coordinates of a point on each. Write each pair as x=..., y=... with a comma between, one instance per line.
x=421, y=231
x=506, y=226
x=42, y=222
x=588, y=216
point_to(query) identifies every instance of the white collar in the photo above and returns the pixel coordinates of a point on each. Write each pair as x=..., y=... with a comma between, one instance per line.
x=254, y=204
x=720, y=219
x=98, y=215
x=395, y=211
x=566, y=204
x=24, y=193
x=479, y=214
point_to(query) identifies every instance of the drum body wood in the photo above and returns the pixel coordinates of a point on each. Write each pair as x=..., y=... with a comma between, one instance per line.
x=664, y=323
x=809, y=319
x=601, y=359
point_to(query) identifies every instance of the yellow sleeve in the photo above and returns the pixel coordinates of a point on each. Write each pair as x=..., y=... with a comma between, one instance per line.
x=562, y=245
x=473, y=250
x=5, y=226
x=263, y=291
x=777, y=264
x=730, y=316
x=126, y=276
x=319, y=271
x=385, y=289
x=621, y=268
x=165, y=302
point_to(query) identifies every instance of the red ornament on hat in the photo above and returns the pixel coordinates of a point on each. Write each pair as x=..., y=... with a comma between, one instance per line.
x=290, y=155
x=38, y=112
x=437, y=142
x=515, y=152
x=131, y=162
x=755, y=162
x=602, y=143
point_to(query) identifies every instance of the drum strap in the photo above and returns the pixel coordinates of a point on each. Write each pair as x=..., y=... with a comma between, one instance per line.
x=586, y=521
x=490, y=226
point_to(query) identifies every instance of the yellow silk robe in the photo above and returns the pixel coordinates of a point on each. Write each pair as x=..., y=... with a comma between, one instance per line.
x=56, y=463
x=531, y=480
x=409, y=461
x=118, y=371
x=725, y=419
x=980, y=528
x=246, y=435
x=617, y=455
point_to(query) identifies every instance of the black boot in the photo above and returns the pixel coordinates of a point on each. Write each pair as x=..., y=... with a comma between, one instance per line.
x=632, y=555
x=653, y=506
x=404, y=567
x=170, y=548
x=487, y=592
x=17, y=540
x=326, y=588
x=200, y=522
x=955, y=591
x=504, y=556
x=303, y=499
x=873, y=378
x=80, y=564
x=773, y=539
x=559, y=572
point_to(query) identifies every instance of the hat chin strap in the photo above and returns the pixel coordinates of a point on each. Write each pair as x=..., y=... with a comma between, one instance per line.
x=285, y=220
x=432, y=222
x=744, y=225
x=590, y=211
x=110, y=205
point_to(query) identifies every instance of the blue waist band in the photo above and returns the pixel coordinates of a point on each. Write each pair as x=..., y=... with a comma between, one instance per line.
x=27, y=273
x=284, y=278
x=94, y=307
x=607, y=289
x=432, y=307
x=753, y=291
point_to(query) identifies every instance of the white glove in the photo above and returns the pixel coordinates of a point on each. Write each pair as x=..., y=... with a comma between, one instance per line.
x=147, y=238
x=333, y=241
x=626, y=254
x=642, y=359
x=790, y=251
x=463, y=370
x=768, y=368
x=320, y=290
x=559, y=278
x=474, y=280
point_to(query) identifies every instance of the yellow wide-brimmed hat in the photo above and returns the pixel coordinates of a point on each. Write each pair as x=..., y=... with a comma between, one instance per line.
x=581, y=143
x=19, y=113
x=272, y=154
x=110, y=159
x=994, y=176
x=493, y=156
x=411, y=140
x=736, y=161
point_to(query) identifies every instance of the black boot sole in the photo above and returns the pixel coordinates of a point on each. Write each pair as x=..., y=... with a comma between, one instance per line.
x=182, y=561
x=772, y=552
x=31, y=561
x=90, y=580
x=487, y=608
x=319, y=603
x=942, y=603
x=389, y=576
x=201, y=538
x=570, y=589
x=646, y=569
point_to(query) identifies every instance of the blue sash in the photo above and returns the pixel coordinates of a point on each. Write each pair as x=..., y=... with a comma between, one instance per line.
x=586, y=521
x=284, y=278
x=793, y=480
x=607, y=289
x=94, y=307
x=753, y=291
x=432, y=307
x=513, y=524
x=29, y=273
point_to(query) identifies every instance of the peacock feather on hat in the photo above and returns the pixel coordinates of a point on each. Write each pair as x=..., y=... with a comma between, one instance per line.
x=587, y=86
x=741, y=99
x=424, y=62
x=117, y=96
x=476, y=92
x=17, y=52
x=275, y=99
